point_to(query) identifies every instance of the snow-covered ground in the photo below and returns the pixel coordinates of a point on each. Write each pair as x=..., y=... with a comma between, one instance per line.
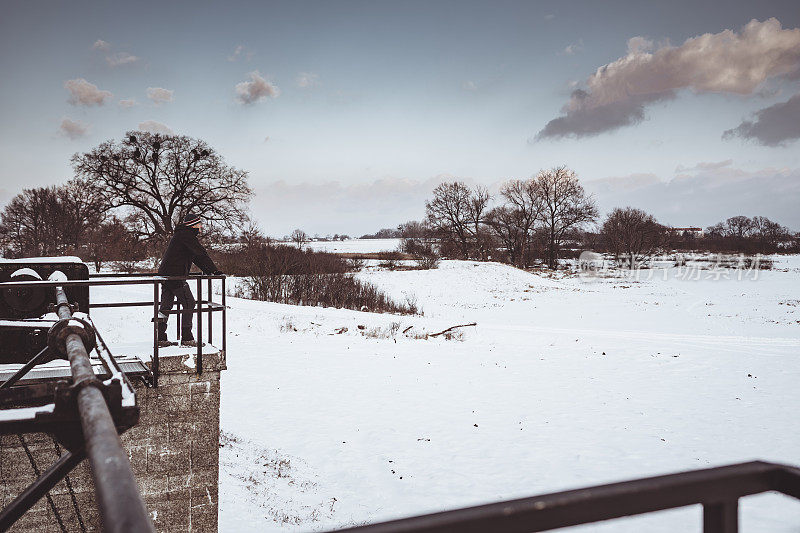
x=353, y=246
x=563, y=383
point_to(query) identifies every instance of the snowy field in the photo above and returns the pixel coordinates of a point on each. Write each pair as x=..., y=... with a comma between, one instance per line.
x=563, y=383
x=353, y=246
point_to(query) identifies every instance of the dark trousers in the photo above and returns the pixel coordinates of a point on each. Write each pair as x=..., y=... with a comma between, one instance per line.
x=178, y=290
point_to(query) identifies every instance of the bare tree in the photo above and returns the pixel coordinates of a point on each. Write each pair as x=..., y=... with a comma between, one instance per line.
x=525, y=199
x=632, y=235
x=508, y=226
x=159, y=178
x=448, y=213
x=80, y=211
x=477, y=208
x=566, y=207
x=299, y=237
x=739, y=226
x=50, y=220
x=457, y=213
x=28, y=223
x=768, y=233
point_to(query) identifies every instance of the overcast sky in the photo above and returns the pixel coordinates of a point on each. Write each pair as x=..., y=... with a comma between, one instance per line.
x=347, y=114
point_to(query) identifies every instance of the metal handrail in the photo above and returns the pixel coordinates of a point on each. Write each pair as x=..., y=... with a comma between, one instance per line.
x=717, y=489
x=202, y=305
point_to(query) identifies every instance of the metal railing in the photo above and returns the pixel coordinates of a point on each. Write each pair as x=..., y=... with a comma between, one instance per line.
x=85, y=416
x=207, y=306
x=717, y=489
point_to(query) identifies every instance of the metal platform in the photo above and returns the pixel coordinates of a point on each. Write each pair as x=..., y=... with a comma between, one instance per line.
x=132, y=366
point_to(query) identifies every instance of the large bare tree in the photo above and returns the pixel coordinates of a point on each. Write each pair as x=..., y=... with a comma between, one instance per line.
x=632, y=235
x=50, y=220
x=507, y=225
x=450, y=213
x=159, y=178
x=566, y=207
x=524, y=198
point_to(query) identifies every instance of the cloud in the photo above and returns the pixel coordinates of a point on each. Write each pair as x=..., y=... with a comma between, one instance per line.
x=469, y=85
x=683, y=200
x=73, y=129
x=120, y=58
x=726, y=62
x=255, y=90
x=705, y=165
x=306, y=80
x=573, y=48
x=128, y=103
x=617, y=184
x=81, y=92
x=639, y=45
x=588, y=121
x=155, y=127
x=241, y=52
x=776, y=125
x=116, y=59
x=549, y=17
x=159, y=96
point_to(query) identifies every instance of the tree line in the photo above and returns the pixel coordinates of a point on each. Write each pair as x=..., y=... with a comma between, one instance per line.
x=535, y=219
x=540, y=218
x=125, y=199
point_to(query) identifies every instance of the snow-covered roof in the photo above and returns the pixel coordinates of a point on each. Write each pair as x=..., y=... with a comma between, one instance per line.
x=63, y=259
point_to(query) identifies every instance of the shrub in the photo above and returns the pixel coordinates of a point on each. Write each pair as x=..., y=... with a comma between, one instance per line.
x=423, y=252
x=271, y=259
x=389, y=260
x=329, y=290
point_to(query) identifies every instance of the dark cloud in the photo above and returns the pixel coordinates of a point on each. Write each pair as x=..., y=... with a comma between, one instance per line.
x=588, y=121
x=726, y=62
x=775, y=125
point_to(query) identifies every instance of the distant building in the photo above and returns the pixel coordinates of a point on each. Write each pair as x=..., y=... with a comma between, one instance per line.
x=687, y=232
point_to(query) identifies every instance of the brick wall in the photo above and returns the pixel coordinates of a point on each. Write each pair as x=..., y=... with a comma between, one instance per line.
x=174, y=453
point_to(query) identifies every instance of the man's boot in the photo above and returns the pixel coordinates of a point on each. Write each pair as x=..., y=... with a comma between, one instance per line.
x=162, y=333
x=187, y=339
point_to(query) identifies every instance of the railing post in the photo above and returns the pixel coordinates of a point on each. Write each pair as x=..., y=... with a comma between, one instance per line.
x=199, y=326
x=179, y=317
x=156, y=324
x=224, y=318
x=210, y=315
x=721, y=517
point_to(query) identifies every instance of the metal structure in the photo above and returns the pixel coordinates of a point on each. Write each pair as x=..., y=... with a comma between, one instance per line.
x=88, y=410
x=717, y=489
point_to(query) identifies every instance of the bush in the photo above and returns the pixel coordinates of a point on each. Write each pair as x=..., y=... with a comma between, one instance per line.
x=285, y=274
x=271, y=259
x=423, y=252
x=329, y=290
x=389, y=260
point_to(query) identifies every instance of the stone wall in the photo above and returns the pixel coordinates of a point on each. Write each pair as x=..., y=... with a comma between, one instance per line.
x=174, y=453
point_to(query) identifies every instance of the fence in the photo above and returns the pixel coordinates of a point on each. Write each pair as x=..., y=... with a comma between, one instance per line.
x=207, y=306
x=717, y=489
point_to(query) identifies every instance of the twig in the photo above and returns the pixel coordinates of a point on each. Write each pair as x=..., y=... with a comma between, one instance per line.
x=452, y=328
x=408, y=328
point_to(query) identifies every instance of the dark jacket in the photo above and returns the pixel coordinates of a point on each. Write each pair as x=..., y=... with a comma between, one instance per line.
x=183, y=250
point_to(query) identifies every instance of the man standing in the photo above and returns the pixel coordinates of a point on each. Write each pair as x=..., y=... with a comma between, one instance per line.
x=183, y=250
